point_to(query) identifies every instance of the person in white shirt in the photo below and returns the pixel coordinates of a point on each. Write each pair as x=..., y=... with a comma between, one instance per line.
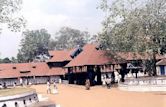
x=48, y=87
x=14, y=84
x=21, y=82
x=108, y=82
x=1, y=86
x=55, y=91
x=60, y=81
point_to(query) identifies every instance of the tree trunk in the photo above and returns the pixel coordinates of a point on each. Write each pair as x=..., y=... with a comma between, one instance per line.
x=154, y=73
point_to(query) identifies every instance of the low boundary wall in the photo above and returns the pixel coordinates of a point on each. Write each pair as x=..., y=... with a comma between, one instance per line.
x=19, y=100
x=147, y=84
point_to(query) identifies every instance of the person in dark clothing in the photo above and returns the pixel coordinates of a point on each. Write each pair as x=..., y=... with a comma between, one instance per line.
x=4, y=85
x=87, y=84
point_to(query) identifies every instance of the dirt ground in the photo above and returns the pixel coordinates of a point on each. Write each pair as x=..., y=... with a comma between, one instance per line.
x=98, y=96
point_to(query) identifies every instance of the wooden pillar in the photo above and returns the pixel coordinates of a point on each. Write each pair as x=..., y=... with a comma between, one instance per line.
x=98, y=73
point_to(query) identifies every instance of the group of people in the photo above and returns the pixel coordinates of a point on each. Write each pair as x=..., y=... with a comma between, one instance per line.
x=54, y=90
x=105, y=82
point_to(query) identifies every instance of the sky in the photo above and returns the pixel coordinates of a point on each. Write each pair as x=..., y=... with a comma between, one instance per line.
x=52, y=15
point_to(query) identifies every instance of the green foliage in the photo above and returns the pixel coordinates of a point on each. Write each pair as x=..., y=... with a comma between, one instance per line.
x=133, y=25
x=9, y=14
x=34, y=43
x=6, y=60
x=69, y=38
x=13, y=60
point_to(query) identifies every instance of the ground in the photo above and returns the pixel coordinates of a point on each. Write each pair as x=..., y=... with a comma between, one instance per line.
x=98, y=96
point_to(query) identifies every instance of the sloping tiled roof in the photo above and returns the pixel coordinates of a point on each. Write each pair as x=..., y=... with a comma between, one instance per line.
x=60, y=55
x=56, y=71
x=9, y=74
x=27, y=69
x=90, y=56
x=161, y=62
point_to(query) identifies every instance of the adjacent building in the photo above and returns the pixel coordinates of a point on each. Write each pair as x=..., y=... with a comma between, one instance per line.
x=161, y=67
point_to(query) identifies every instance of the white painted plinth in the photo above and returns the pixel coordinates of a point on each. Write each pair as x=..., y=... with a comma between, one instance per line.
x=19, y=100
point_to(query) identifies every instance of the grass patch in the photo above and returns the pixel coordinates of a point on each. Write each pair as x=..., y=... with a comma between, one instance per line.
x=14, y=91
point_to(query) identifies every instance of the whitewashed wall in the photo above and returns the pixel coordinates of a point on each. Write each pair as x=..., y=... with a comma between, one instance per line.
x=22, y=100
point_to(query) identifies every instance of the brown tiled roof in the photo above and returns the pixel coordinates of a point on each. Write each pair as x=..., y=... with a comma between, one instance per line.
x=9, y=74
x=161, y=62
x=90, y=56
x=60, y=55
x=39, y=69
x=27, y=69
x=56, y=71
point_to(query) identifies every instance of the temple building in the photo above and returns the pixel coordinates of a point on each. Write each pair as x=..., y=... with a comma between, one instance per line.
x=75, y=66
x=93, y=64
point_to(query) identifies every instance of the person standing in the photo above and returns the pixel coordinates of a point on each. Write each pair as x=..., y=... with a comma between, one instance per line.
x=60, y=80
x=14, y=84
x=21, y=82
x=108, y=82
x=87, y=84
x=48, y=87
x=4, y=85
x=55, y=91
x=103, y=81
x=1, y=87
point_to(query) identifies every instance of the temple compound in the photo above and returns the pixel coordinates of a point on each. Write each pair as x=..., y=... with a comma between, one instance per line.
x=76, y=65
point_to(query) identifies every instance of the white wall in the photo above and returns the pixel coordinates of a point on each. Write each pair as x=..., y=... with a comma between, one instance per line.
x=20, y=101
x=165, y=70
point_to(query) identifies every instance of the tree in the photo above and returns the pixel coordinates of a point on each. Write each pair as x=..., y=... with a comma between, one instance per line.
x=9, y=14
x=134, y=25
x=69, y=38
x=34, y=43
x=13, y=60
x=6, y=60
x=0, y=60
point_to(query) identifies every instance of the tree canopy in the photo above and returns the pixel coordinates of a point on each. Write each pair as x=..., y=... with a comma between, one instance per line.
x=5, y=60
x=9, y=14
x=135, y=25
x=69, y=38
x=34, y=43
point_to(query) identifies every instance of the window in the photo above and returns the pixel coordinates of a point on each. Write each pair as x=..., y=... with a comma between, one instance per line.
x=33, y=66
x=25, y=71
x=14, y=67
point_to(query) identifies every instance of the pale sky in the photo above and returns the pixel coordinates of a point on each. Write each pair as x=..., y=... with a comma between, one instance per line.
x=52, y=15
